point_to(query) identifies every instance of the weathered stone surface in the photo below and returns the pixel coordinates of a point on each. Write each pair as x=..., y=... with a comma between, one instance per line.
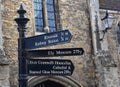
x=4, y=76
x=3, y=59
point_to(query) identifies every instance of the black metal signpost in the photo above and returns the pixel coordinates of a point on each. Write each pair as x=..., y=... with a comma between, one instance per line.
x=22, y=21
x=38, y=67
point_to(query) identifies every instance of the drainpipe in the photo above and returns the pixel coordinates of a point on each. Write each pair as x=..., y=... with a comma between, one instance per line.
x=92, y=22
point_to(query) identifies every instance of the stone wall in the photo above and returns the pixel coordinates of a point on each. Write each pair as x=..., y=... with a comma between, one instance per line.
x=75, y=17
x=10, y=34
x=107, y=70
x=114, y=47
x=4, y=68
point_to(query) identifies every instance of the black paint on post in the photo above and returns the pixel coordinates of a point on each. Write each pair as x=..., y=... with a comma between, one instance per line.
x=22, y=21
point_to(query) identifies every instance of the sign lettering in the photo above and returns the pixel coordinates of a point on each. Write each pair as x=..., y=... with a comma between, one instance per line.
x=48, y=39
x=55, y=52
x=50, y=67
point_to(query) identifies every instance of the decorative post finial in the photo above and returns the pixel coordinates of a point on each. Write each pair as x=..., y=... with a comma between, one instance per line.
x=21, y=21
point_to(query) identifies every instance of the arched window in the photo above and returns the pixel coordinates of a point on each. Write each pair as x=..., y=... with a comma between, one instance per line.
x=45, y=15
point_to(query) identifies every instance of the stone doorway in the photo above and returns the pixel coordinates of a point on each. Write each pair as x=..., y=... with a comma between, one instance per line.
x=52, y=81
x=49, y=83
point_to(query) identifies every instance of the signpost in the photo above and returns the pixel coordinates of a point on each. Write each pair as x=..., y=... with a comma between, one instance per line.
x=40, y=67
x=22, y=63
x=55, y=52
x=48, y=39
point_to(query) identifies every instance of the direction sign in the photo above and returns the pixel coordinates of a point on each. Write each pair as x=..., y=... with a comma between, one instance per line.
x=48, y=39
x=55, y=52
x=40, y=67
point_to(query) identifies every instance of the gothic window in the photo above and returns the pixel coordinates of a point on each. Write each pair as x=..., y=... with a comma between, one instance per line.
x=45, y=15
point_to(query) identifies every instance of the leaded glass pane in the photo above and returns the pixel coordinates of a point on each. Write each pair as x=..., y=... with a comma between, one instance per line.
x=51, y=15
x=37, y=6
x=52, y=29
x=39, y=22
x=38, y=15
x=51, y=23
x=39, y=29
x=49, y=1
x=50, y=8
x=37, y=0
